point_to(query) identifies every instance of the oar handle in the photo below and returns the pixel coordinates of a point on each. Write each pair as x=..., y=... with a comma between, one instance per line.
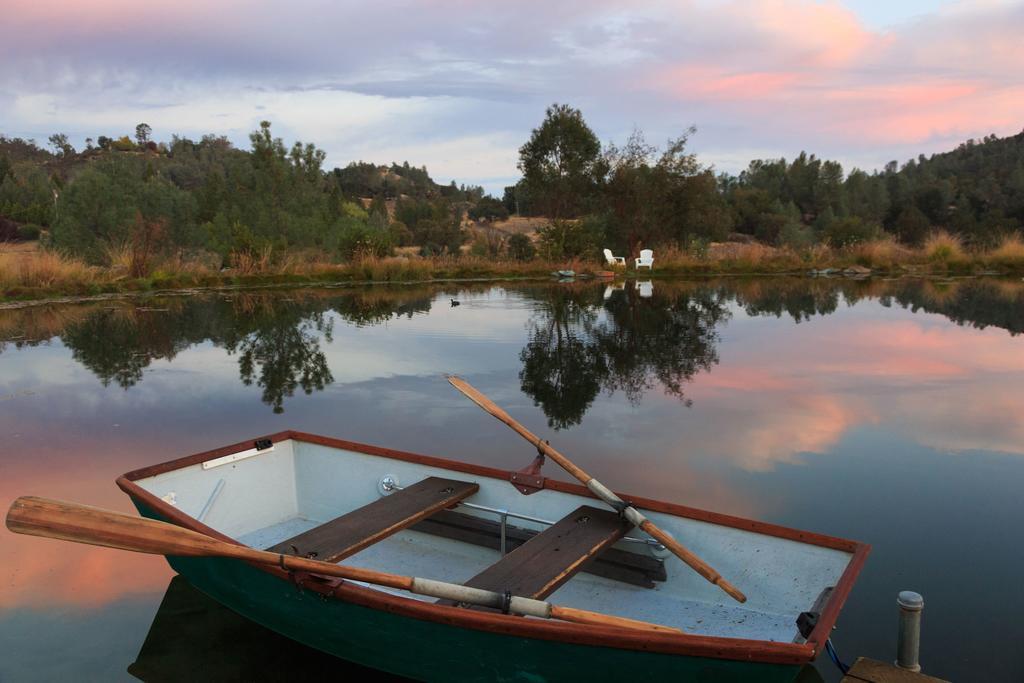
x=687, y=556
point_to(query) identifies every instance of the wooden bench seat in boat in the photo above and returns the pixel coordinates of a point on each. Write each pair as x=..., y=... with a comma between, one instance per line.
x=636, y=568
x=346, y=535
x=538, y=567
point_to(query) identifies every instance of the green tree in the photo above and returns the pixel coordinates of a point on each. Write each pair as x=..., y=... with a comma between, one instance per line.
x=561, y=163
x=912, y=226
x=569, y=239
x=142, y=133
x=105, y=203
x=520, y=247
x=488, y=209
x=60, y=143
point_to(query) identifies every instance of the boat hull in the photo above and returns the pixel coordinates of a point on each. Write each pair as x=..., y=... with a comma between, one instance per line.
x=427, y=650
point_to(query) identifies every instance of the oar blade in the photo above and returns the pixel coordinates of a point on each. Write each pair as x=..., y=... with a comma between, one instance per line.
x=93, y=526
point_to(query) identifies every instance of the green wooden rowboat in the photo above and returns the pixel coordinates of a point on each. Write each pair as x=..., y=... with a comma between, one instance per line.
x=401, y=512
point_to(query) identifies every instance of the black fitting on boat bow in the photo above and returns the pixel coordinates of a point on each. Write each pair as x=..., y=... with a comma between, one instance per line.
x=506, y=602
x=806, y=622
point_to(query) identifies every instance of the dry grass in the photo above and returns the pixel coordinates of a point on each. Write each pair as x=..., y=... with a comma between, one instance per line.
x=944, y=249
x=119, y=256
x=1009, y=254
x=881, y=254
x=253, y=262
x=44, y=269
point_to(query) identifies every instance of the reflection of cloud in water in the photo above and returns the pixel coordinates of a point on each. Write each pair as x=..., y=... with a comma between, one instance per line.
x=49, y=572
x=946, y=387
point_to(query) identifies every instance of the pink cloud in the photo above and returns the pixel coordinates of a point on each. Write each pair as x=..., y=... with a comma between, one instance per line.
x=819, y=35
x=716, y=83
x=813, y=68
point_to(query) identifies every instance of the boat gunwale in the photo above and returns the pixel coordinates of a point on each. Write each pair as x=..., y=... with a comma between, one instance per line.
x=717, y=647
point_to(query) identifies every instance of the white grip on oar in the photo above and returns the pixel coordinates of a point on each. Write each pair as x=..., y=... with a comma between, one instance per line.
x=635, y=517
x=479, y=596
x=604, y=493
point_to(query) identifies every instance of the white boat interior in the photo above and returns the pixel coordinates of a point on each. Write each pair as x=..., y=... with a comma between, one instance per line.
x=264, y=497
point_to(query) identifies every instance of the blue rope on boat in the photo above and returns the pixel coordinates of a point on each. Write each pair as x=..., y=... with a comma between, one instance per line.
x=834, y=656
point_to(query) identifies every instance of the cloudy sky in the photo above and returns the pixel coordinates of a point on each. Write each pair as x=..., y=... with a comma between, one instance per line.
x=458, y=85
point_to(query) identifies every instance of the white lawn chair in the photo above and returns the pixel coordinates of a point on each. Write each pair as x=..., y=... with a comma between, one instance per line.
x=646, y=259
x=614, y=260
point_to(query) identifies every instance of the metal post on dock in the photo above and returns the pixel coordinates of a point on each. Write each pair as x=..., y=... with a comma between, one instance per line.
x=908, y=639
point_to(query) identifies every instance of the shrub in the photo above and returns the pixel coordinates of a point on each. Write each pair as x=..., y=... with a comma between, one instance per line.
x=565, y=239
x=357, y=240
x=1010, y=252
x=846, y=232
x=8, y=230
x=521, y=248
x=29, y=232
x=880, y=253
x=487, y=244
x=769, y=227
x=796, y=235
x=942, y=247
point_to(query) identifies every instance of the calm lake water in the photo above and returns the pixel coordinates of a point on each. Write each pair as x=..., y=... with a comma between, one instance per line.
x=884, y=411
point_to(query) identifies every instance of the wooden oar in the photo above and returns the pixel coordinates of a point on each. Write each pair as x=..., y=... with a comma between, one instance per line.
x=600, y=490
x=95, y=526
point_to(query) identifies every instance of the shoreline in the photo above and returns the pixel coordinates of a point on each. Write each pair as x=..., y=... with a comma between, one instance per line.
x=28, y=274
x=52, y=298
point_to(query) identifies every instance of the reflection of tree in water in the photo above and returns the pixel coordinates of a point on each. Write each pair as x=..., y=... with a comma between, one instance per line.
x=580, y=344
x=284, y=345
x=978, y=303
x=562, y=369
x=800, y=299
x=117, y=344
x=277, y=338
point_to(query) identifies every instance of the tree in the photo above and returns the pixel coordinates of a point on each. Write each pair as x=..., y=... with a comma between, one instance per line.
x=912, y=226
x=650, y=193
x=59, y=142
x=561, y=163
x=142, y=133
x=569, y=239
x=520, y=247
x=488, y=209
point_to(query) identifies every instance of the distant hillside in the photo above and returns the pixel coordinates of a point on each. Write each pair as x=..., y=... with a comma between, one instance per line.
x=979, y=180
x=208, y=196
x=362, y=179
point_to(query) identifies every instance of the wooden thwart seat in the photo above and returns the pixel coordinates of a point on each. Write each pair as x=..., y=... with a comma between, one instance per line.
x=350, y=533
x=635, y=568
x=542, y=564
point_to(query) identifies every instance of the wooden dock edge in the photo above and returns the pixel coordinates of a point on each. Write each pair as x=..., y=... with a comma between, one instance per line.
x=866, y=670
